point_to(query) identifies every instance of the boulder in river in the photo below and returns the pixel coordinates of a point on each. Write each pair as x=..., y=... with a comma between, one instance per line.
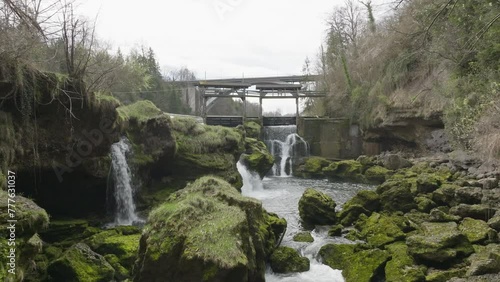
x=207, y=232
x=286, y=260
x=317, y=208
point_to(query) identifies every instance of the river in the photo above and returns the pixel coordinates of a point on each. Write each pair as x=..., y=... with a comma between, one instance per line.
x=281, y=196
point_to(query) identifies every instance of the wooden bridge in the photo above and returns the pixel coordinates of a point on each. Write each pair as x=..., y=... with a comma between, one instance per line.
x=278, y=87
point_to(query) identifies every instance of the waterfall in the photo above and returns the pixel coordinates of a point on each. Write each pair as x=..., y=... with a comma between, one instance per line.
x=286, y=146
x=122, y=178
x=251, y=180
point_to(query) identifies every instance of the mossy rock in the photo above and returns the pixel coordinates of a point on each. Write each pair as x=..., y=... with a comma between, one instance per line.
x=424, y=204
x=356, y=265
x=437, y=275
x=317, y=208
x=303, y=237
x=114, y=242
x=445, y=195
x=428, y=183
x=364, y=202
x=440, y=214
x=80, y=263
x=482, y=211
x=121, y=273
x=206, y=232
x=139, y=111
x=397, y=197
x=312, y=167
x=477, y=231
x=438, y=244
x=67, y=232
x=252, y=129
x=349, y=170
x=379, y=230
x=335, y=230
x=30, y=217
x=486, y=260
x=257, y=157
x=402, y=267
x=377, y=174
x=287, y=260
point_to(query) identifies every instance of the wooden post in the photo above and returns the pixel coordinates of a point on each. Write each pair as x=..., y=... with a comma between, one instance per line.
x=297, y=114
x=260, y=109
x=204, y=109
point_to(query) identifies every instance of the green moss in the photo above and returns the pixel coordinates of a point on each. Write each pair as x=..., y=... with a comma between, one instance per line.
x=444, y=275
x=317, y=208
x=252, y=129
x=377, y=174
x=286, y=260
x=139, y=111
x=402, y=267
x=345, y=170
x=124, y=247
x=121, y=272
x=379, y=230
x=337, y=256
x=312, y=167
x=30, y=217
x=257, y=157
x=303, y=237
x=424, y=204
x=475, y=230
x=336, y=230
x=79, y=263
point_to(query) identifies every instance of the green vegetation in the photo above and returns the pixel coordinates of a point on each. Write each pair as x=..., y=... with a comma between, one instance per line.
x=303, y=237
x=257, y=157
x=139, y=111
x=317, y=208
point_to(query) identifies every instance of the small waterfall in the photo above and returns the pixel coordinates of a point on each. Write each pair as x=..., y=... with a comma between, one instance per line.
x=251, y=180
x=285, y=145
x=122, y=178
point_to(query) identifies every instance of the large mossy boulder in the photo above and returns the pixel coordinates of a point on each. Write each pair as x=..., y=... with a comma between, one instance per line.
x=286, y=260
x=379, y=230
x=477, y=231
x=303, y=236
x=445, y=195
x=482, y=211
x=396, y=195
x=486, y=260
x=427, y=183
x=395, y=161
x=252, y=129
x=30, y=217
x=317, y=208
x=257, y=157
x=402, y=267
x=438, y=244
x=207, y=232
x=377, y=174
x=349, y=170
x=204, y=149
x=364, y=202
x=80, y=263
x=312, y=167
x=357, y=265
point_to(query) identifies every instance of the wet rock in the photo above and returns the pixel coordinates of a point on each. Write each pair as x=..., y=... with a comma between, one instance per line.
x=476, y=231
x=345, y=170
x=257, y=157
x=438, y=244
x=445, y=195
x=80, y=263
x=312, y=167
x=440, y=215
x=303, y=237
x=424, y=204
x=483, y=212
x=394, y=162
x=336, y=230
x=317, y=208
x=494, y=222
x=286, y=260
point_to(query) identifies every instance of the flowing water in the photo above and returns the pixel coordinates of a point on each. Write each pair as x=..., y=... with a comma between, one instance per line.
x=286, y=146
x=122, y=190
x=281, y=195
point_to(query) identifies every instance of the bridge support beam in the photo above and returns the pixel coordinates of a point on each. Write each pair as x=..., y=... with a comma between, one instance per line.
x=297, y=114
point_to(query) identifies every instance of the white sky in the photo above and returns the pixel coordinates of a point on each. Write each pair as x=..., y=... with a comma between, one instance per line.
x=222, y=38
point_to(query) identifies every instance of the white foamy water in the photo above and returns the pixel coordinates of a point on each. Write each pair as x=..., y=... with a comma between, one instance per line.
x=122, y=178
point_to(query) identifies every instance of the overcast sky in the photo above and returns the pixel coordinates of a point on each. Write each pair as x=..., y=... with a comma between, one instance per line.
x=222, y=38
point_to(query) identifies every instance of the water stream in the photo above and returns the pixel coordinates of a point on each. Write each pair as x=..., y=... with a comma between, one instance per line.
x=123, y=193
x=281, y=195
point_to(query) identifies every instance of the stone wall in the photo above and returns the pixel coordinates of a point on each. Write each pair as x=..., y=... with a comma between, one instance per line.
x=331, y=138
